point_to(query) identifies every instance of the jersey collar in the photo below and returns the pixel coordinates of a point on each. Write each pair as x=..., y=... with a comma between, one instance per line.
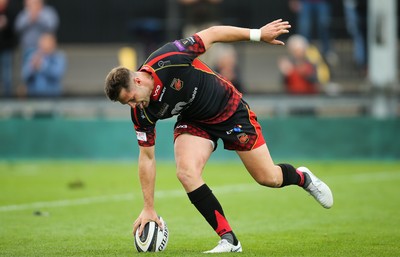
x=158, y=85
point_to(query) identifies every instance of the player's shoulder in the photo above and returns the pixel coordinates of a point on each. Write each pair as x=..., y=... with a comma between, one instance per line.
x=189, y=43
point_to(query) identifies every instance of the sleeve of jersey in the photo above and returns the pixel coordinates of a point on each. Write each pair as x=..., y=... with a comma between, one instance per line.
x=145, y=129
x=192, y=45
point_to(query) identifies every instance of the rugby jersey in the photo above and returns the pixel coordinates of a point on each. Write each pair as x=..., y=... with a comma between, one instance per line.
x=183, y=85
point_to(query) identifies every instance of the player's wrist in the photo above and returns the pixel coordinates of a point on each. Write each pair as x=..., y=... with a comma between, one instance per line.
x=255, y=35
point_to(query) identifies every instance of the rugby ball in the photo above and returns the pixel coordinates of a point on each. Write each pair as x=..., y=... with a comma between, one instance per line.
x=153, y=239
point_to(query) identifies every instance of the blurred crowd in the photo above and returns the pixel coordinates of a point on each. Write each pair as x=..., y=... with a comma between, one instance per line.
x=31, y=26
x=307, y=68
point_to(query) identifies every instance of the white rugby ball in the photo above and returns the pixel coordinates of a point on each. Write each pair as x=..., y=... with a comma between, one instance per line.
x=153, y=239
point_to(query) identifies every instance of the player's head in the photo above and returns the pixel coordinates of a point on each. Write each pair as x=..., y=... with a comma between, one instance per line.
x=127, y=87
x=117, y=79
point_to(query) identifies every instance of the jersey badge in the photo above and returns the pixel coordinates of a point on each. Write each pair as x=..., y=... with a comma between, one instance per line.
x=243, y=138
x=177, y=84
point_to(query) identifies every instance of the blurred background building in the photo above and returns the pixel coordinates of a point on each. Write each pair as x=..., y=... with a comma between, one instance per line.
x=360, y=72
x=91, y=33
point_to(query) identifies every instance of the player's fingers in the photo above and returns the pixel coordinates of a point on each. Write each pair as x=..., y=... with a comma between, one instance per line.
x=279, y=24
x=284, y=31
x=282, y=23
x=136, y=225
x=159, y=223
x=274, y=22
x=285, y=26
x=277, y=42
x=140, y=229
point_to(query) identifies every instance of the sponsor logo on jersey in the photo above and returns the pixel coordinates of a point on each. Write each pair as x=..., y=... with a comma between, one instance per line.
x=191, y=40
x=243, y=138
x=179, y=45
x=162, y=94
x=185, y=41
x=236, y=129
x=157, y=91
x=188, y=41
x=181, y=106
x=142, y=115
x=177, y=84
x=141, y=136
x=163, y=63
x=163, y=110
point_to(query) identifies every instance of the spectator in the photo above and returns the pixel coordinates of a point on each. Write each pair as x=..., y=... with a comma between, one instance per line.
x=353, y=25
x=317, y=12
x=8, y=42
x=44, y=68
x=227, y=65
x=199, y=15
x=36, y=19
x=303, y=72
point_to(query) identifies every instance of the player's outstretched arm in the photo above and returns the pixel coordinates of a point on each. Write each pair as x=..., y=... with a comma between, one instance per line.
x=225, y=34
x=147, y=177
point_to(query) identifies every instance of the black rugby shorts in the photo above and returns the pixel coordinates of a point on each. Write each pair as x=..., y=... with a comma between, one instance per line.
x=240, y=132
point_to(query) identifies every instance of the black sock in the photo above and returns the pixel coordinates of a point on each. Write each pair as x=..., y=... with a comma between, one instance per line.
x=207, y=204
x=291, y=176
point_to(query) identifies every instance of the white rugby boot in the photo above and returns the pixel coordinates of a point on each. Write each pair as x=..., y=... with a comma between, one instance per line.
x=225, y=247
x=318, y=189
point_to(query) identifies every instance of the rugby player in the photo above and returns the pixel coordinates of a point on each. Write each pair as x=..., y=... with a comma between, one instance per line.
x=173, y=81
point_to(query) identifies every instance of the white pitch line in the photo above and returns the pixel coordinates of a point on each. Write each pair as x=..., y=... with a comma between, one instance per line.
x=121, y=197
x=359, y=178
x=376, y=176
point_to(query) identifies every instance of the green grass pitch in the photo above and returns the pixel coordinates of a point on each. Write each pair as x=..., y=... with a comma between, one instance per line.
x=62, y=208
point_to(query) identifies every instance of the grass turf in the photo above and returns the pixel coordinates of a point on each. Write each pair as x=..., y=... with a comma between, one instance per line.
x=87, y=209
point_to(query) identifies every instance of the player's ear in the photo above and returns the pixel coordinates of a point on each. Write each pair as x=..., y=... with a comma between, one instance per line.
x=137, y=80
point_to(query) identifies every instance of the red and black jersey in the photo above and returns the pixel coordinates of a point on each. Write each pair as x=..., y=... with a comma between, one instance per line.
x=183, y=85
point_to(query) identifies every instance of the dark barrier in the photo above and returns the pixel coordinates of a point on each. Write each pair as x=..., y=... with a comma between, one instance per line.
x=289, y=138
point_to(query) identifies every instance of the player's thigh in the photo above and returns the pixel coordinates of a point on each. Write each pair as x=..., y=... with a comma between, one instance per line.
x=261, y=167
x=192, y=152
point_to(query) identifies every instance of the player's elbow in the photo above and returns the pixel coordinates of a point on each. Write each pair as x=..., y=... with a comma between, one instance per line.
x=209, y=36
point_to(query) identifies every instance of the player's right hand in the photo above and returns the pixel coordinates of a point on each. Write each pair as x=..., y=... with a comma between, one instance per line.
x=145, y=216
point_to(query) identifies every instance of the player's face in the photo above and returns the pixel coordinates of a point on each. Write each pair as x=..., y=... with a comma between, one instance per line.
x=136, y=95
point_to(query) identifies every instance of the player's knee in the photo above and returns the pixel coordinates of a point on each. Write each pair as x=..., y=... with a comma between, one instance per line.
x=185, y=175
x=181, y=175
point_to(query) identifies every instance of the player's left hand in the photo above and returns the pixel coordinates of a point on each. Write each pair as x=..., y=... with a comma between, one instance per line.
x=274, y=29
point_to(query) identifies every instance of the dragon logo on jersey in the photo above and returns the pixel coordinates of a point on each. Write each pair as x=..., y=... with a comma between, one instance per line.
x=177, y=84
x=243, y=138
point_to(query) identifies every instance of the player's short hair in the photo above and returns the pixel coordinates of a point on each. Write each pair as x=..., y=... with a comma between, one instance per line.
x=117, y=79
